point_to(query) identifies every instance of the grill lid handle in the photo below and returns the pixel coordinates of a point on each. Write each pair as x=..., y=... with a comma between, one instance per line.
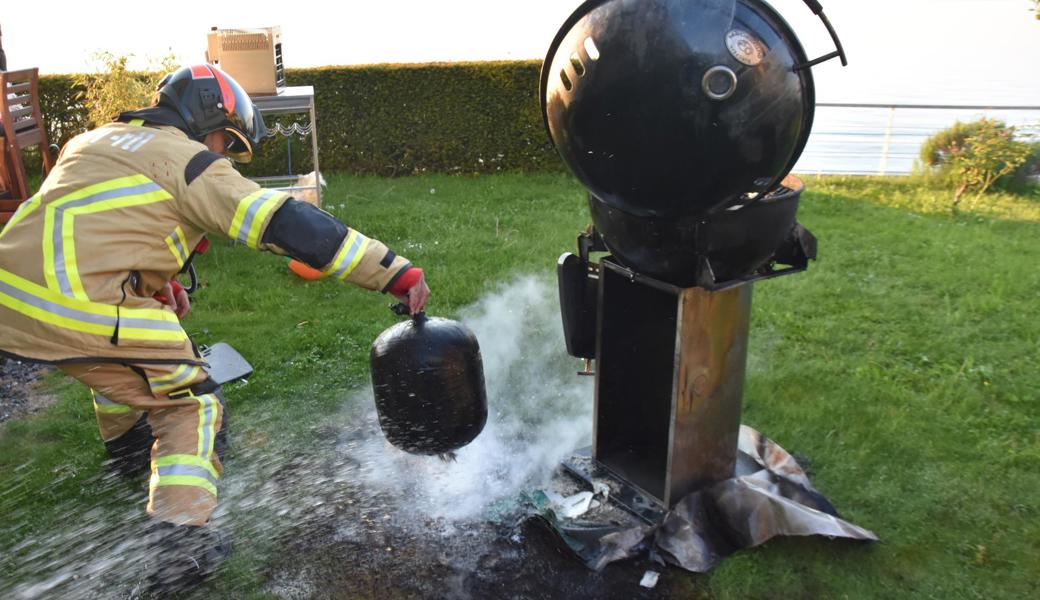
x=817, y=9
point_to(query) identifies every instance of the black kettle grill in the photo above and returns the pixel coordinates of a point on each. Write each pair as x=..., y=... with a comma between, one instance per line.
x=683, y=119
x=428, y=380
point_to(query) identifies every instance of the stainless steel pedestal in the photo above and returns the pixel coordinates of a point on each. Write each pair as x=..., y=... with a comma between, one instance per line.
x=670, y=368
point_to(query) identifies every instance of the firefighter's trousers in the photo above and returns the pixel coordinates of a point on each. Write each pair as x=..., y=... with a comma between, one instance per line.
x=162, y=408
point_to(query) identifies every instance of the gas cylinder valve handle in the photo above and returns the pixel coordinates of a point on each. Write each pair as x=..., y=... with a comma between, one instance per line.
x=401, y=309
x=839, y=51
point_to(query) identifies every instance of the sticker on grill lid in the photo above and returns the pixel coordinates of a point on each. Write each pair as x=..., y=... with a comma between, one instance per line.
x=745, y=48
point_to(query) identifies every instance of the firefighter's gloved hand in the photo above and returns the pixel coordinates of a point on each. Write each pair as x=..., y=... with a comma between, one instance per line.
x=174, y=296
x=411, y=289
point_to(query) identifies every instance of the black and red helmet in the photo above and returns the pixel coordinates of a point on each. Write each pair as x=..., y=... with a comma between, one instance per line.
x=208, y=100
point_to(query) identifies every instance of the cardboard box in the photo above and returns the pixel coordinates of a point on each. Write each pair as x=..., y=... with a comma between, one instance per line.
x=252, y=56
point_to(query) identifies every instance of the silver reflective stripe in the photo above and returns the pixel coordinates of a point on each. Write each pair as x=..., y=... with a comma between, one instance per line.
x=102, y=400
x=188, y=471
x=207, y=424
x=58, y=239
x=349, y=258
x=82, y=316
x=254, y=207
x=186, y=374
x=179, y=244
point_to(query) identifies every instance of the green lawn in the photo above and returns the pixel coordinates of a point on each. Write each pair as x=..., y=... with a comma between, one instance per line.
x=903, y=364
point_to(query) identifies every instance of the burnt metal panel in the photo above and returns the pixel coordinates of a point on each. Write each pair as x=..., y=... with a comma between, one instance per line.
x=712, y=357
x=669, y=380
x=634, y=378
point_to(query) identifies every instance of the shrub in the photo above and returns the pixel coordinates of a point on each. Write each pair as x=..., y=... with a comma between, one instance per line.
x=372, y=119
x=975, y=156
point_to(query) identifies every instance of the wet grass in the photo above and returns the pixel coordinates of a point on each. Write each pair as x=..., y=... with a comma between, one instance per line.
x=903, y=364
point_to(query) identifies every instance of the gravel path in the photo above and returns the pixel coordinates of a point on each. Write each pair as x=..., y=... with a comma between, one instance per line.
x=21, y=390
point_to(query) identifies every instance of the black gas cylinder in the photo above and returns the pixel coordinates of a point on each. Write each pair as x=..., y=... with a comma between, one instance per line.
x=680, y=117
x=428, y=380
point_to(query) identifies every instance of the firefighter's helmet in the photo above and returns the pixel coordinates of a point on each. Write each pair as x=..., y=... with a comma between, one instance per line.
x=208, y=100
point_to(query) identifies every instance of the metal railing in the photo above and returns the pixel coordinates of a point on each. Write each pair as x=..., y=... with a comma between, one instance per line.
x=865, y=138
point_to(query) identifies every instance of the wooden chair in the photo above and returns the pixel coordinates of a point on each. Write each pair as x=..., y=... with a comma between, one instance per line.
x=23, y=127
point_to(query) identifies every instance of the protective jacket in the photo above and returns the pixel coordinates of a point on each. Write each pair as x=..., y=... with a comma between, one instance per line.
x=118, y=217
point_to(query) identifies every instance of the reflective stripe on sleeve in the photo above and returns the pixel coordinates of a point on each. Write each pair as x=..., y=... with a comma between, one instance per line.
x=53, y=308
x=182, y=374
x=23, y=210
x=178, y=246
x=106, y=406
x=349, y=255
x=251, y=214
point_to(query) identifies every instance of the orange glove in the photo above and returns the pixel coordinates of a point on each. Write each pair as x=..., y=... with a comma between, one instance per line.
x=411, y=289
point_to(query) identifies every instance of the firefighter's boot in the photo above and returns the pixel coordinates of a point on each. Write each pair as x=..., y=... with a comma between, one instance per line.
x=185, y=556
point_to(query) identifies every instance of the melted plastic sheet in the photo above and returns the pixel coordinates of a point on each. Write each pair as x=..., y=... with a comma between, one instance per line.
x=770, y=495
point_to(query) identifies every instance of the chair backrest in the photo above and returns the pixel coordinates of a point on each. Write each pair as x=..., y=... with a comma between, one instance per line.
x=23, y=127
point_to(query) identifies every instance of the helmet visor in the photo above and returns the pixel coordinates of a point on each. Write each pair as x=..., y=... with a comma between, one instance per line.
x=246, y=135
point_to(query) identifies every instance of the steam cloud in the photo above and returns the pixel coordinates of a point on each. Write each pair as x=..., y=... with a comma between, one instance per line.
x=539, y=412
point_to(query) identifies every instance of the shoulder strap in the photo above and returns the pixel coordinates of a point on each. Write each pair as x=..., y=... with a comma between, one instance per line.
x=198, y=164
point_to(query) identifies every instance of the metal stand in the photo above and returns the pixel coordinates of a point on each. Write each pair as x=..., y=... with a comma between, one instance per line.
x=294, y=99
x=669, y=380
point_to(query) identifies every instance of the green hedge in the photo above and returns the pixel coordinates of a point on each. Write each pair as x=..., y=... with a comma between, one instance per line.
x=390, y=119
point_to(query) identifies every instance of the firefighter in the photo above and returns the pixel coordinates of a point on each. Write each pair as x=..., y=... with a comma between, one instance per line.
x=86, y=267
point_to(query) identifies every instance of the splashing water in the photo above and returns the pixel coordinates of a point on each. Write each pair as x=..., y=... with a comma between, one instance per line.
x=357, y=485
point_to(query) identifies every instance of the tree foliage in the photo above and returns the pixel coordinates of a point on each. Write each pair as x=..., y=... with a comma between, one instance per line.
x=116, y=88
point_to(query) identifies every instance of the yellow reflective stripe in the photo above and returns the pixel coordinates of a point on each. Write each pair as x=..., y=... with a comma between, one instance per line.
x=54, y=308
x=261, y=216
x=250, y=215
x=240, y=213
x=169, y=376
x=49, y=274
x=136, y=122
x=60, y=256
x=357, y=259
x=104, y=186
x=187, y=459
x=207, y=420
x=159, y=481
x=341, y=254
x=173, y=250
x=106, y=406
x=48, y=224
x=124, y=202
x=23, y=211
x=175, y=242
x=348, y=257
x=112, y=409
x=69, y=245
x=184, y=373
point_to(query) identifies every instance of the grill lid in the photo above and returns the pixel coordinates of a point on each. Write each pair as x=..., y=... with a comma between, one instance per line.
x=670, y=108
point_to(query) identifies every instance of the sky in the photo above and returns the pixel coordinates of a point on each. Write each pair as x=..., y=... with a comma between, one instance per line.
x=935, y=51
